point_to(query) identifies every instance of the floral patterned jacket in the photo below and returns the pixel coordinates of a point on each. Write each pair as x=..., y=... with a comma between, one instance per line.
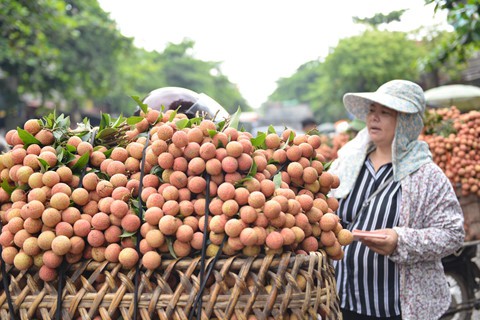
x=430, y=227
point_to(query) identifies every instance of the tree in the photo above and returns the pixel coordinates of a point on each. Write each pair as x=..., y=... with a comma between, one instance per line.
x=433, y=73
x=28, y=58
x=299, y=85
x=380, y=18
x=63, y=48
x=141, y=71
x=181, y=69
x=71, y=51
x=464, y=16
x=359, y=63
x=90, y=57
x=362, y=63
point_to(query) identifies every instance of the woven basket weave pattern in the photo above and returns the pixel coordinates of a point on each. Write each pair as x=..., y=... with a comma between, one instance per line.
x=106, y=290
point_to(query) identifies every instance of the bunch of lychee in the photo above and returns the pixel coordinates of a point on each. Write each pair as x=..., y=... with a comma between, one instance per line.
x=453, y=139
x=264, y=194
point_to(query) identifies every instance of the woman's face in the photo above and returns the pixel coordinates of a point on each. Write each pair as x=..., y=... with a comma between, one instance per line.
x=381, y=124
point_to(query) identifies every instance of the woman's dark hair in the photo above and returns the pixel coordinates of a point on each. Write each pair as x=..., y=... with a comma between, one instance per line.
x=308, y=122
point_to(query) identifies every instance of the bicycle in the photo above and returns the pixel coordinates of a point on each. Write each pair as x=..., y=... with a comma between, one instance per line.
x=463, y=277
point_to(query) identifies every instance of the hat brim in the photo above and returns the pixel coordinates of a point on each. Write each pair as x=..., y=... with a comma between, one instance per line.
x=359, y=103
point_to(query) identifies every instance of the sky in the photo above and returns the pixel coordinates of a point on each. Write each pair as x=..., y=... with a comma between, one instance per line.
x=257, y=41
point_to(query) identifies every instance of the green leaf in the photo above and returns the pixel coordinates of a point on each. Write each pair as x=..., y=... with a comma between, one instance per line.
x=70, y=148
x=135, y=203
x=277, y=180
x=60, y=152
x=173, y=115
x=86, y=136
x=291, y=136
x=86, y=122
x=212, y=133
x=118, y=121
x=134, y=119
x=253, y=169
x=327, y=165
x=143, y=106
x=102, y=176
x=68, y=157
x=259, y=140
x=49, y=120
x=196, y=121
x=272, y=161
x=27, y=137
x=157, y=170
x=43, y=164
x=7, y=187
x=81, y=163
x=64, y=154
x=170, y=247
x=23, y=187
x=136, y=210
x=126, y=234
x=221, y=125
x=108, y=153
x=271, y=129
x=102, y=134
x=240, y=182
x=105, y=121
x=182, y=123
x=235, y=118
x=58, y=134
x=63, y=122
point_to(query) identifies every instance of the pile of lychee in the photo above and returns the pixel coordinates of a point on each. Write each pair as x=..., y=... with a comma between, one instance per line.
x=453, y=138
x=265, y=194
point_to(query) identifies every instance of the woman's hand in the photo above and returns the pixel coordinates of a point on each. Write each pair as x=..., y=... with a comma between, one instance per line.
x=382, y=246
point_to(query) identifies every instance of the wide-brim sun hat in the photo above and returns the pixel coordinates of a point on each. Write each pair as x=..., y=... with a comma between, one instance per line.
x=400, y=95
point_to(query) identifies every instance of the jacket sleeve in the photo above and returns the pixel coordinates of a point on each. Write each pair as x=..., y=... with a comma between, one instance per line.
x=431, y=223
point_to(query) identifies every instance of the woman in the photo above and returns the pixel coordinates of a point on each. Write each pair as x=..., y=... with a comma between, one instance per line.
x=390, y=186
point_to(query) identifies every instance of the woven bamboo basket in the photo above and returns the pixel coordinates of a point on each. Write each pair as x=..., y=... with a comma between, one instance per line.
x=238, y=286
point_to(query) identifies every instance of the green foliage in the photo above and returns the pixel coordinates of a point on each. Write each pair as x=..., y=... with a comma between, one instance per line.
x=142, y=72
x=363, y=63
x=434, y=41
x=464, y=16
x=71, y=51
x=299, y=85
x=27, y=137
x=359, y=63
x=57, y=50
x=380, y=18
x=234, y=119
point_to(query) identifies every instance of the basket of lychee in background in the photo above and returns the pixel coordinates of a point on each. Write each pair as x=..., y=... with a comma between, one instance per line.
x=109, y=222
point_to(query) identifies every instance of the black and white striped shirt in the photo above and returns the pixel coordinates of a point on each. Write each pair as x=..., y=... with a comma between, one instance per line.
x=368, y=283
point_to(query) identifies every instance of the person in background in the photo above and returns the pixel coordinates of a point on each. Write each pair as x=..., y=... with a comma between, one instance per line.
x=309, y=124
x=185, y=101
x=354, y=127
x=391, y=188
